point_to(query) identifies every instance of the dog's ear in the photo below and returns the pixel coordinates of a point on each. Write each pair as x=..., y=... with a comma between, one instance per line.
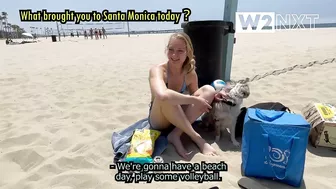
x=248, y=91
x=246, y=94
x=232, y=82
x=244, y=90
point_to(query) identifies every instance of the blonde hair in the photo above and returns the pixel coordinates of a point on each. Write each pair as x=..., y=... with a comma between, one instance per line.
x=189, y=63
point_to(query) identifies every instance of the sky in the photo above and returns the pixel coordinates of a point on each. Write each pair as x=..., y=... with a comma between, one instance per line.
x=200, y=10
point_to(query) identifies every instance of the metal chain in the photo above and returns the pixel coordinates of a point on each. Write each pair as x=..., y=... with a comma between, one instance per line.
x=284, y=70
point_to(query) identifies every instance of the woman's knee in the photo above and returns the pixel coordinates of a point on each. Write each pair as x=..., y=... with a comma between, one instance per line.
x=208, y=88
x=208, y=91
x=165, y=105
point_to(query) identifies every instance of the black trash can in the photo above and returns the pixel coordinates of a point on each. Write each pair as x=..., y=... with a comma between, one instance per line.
x=53, y=38
x=207, y=39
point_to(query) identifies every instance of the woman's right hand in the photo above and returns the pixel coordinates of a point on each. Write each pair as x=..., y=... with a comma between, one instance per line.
x=202, y=103
x=221, y=95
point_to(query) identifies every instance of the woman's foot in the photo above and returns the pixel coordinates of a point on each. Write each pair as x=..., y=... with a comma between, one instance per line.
x=208, y=150
x=177, y=143
x=205, y=147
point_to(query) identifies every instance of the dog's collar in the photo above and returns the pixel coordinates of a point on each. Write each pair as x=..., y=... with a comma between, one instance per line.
x=229, y=103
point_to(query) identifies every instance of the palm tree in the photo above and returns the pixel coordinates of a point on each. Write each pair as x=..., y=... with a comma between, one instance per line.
x=7, y=29
x=15, y=30
x=4, y=16
x=20, y=31
x=1, y=26
x=4, y=20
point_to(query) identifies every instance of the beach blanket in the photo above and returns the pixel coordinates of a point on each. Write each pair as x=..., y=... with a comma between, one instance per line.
x=121, y=141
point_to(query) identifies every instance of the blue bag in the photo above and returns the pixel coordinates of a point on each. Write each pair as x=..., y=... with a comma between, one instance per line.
x=274, y=145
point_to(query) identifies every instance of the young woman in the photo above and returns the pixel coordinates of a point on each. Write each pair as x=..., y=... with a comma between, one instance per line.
x=169, y=105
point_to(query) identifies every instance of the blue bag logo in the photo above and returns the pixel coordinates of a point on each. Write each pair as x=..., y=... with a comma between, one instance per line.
x=278, y=158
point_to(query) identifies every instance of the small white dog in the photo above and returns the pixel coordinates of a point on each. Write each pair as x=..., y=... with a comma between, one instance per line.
x=224, y=113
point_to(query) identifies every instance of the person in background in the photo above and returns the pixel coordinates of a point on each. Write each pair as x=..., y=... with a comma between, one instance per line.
x=100, y=33
x=85, y=35
x=104, y=33
x=96, y=33
x=91, y=33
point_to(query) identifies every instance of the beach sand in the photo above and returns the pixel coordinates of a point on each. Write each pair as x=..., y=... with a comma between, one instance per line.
x=61, y=102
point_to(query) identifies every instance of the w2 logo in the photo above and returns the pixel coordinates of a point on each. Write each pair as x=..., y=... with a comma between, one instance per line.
x=268, y=22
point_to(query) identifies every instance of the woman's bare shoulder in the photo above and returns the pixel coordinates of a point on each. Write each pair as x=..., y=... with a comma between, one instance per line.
x=192, y=81
x=191, y=75
x=161, y=68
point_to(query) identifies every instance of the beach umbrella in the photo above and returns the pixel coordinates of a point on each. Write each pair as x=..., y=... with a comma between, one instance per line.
x=27, y=35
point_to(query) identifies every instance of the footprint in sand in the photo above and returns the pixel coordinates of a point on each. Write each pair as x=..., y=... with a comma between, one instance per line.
x=121, y=93
x=85, y=132
x=101, y=101
x=42, y=141
x=110, y=94
x=61, y=144
x=19, y=140
x=46, y=170
x=26, y=96
x=78, y=179
x=111, y=126
x=34, y=177
x=5, y=126
x=42, y=117
x=294, y=84
x=142, y=105
x=79, y=148
x=25, y=158
x=125, y=118
x=124, y=108
x=53, y=129
x=73, y=115
x=8, y=79
x=5, y=97
x=61, y=97
x=8, y=105
x=79, y=162
x=99, y=126
x=308, y=99
x=96, y=108
x=62, y=104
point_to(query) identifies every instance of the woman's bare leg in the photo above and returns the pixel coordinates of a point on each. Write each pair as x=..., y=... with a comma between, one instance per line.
x=163, y=114
x=192, y=113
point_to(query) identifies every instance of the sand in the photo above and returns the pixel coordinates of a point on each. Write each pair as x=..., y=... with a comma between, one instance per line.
x=61, y=102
